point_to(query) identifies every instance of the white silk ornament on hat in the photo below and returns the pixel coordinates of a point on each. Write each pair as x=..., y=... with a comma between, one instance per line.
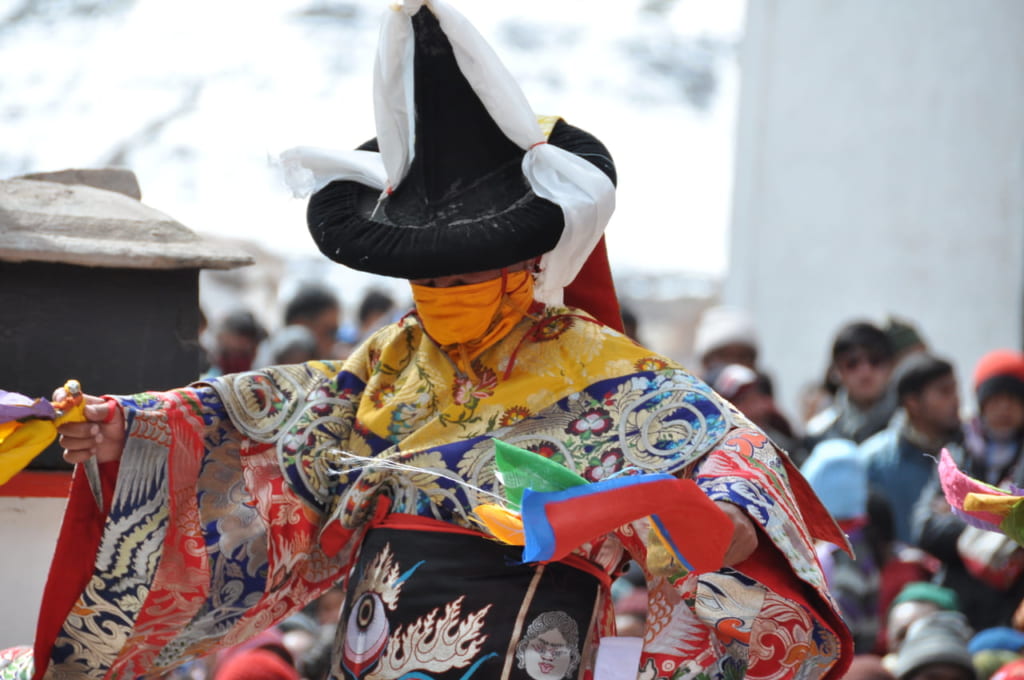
x=584, y=193
x=308, y=169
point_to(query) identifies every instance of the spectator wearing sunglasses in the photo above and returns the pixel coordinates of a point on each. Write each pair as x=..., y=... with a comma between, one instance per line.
x=862, y=362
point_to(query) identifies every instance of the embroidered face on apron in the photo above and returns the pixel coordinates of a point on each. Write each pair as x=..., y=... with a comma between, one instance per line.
x=434, y=604
x=548, y=649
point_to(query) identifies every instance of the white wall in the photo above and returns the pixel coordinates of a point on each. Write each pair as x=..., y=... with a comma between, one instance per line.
x=28, y=535
x=879, y=170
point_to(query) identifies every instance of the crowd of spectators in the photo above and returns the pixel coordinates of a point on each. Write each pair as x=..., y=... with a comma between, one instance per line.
x=311, y=327
x=924, y=594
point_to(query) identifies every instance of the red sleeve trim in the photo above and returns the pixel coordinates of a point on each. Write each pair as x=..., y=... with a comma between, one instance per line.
x=73, y=560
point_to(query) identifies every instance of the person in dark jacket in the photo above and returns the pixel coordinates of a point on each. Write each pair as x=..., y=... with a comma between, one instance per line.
x=901, y=459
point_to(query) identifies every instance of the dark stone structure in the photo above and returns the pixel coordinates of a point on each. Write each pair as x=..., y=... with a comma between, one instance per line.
x=98, y=287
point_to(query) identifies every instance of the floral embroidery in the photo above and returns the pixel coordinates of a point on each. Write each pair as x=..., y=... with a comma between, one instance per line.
x=409, y=416
x=650, y=364
x=544, y=449
x=611, y=462
x=323, y=405
x=595, y=421
x=360, y=428
x=513, y=415
x=551, y=327
x=383, y=396
x=270, y=403
x=467, y=393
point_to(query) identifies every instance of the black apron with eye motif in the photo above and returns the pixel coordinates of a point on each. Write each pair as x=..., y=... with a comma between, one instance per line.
x=430, y=601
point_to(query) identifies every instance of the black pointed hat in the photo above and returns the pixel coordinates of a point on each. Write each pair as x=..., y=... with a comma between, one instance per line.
x=464, y=201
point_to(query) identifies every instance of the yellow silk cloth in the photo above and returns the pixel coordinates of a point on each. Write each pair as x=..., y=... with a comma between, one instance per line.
x=996, y=504
x=21, y=441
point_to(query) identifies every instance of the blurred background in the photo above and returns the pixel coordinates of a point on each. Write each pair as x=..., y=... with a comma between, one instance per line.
x=786, y=168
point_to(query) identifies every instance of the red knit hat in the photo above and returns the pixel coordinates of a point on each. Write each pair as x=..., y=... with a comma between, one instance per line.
x=1001, y=370
x=1011, y=671
x=256, y=664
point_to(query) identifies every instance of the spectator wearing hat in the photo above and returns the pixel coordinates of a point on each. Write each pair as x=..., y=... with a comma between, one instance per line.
x=915, y=601
x=994, y=438
x=751, y=394
x=725, y=335
x=1002, y=638
x=993, y=648
x=300, y=634
x=987, y=571
x=901, y=459
x=262, y=657
x=906, y=342
x=935, y=648
x=905, y=339
x=862, y=362
x=1014, y=670
x=866, y=584
x=837, y=474
x=988, y=662
x=261, y=663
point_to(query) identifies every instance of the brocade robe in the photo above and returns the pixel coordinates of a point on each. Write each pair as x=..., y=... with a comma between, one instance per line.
x=240, y=500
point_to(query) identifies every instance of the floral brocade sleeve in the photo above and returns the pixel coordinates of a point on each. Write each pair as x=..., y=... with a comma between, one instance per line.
x=207, y=541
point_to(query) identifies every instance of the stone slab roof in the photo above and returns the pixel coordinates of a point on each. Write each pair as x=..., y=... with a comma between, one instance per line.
x=45, y=221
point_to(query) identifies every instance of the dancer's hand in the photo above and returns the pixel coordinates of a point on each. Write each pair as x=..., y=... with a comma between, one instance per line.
x=744, y=535
x=102, y=435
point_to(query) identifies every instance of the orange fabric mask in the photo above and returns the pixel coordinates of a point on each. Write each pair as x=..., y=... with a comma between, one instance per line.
x=466, y=320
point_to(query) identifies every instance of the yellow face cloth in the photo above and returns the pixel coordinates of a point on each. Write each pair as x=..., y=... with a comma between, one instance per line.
x=466, y=320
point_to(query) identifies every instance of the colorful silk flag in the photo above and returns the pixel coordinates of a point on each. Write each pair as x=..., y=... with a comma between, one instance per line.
x=694, y=529
x=559, y=511
x=979, y=504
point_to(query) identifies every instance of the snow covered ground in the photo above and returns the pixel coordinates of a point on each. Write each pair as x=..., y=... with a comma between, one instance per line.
x=195, y=96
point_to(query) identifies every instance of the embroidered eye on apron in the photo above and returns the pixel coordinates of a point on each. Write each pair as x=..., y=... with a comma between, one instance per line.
x=430, y=601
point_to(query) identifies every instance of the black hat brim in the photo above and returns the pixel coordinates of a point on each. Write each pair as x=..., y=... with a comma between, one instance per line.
x=477, y=230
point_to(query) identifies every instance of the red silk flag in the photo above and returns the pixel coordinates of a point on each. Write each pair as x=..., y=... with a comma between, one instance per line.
x=696, y=530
